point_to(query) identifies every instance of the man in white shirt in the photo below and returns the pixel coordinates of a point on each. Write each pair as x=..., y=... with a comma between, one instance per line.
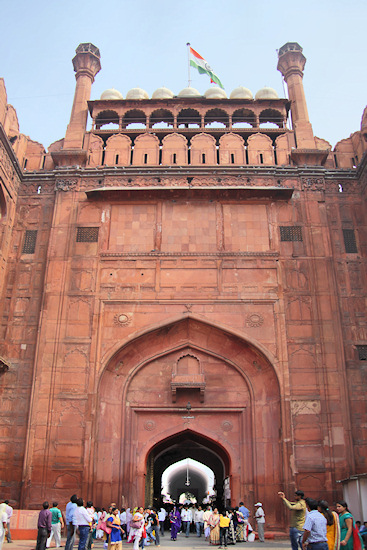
x=184, y=519
x=123, y=522
x=82, y=521
x=9, y=511
x=162, y=514
x=260, y=519
x=199, y=521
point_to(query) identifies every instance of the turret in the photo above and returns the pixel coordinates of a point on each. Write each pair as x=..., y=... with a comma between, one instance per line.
x=291, y=63
x=86, y=65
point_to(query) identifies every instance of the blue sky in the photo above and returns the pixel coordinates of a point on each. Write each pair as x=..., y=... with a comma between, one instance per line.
x=143, y=43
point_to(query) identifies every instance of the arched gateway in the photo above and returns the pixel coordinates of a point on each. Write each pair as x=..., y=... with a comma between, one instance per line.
x=181, y=382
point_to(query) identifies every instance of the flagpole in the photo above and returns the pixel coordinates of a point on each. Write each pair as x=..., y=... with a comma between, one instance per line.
x=188, y=60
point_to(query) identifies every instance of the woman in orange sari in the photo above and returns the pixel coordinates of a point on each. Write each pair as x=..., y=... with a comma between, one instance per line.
x=332, y=525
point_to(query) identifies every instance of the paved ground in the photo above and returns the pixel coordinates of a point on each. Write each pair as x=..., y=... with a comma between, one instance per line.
x=191, y=543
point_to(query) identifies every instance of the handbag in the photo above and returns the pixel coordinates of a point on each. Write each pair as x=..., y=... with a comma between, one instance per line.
x=104, y=528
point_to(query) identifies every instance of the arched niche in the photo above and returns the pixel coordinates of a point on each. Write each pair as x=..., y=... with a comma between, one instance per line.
x=135, y=118
x=162, y=118
x=232, y=150
x=260, y=150
x=271, y=117
x=146, y=150
x=174, y=150
x=107, y=118
x=243, y=117
x=135, y=411
x=188, y=118
x=95, y=151
x=216, y=118
x=203, y=149
x=118, y=150
x=2, y=203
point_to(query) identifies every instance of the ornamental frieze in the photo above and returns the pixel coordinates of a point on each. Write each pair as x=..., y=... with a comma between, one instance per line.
x=313, y=184
x=66, y=184
x=5, y=162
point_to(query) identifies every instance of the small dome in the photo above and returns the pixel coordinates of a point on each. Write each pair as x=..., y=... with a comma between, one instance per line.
x=137, y=93
x=266, y=93
x=189, y=92
x=162, y=93
x=215, y=93
x=241, y=93
x=111, y=94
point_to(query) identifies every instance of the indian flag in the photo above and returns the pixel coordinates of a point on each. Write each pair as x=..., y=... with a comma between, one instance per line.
x=203, y=66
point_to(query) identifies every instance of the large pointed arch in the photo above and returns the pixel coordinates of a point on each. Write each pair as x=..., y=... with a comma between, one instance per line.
x=240, y=410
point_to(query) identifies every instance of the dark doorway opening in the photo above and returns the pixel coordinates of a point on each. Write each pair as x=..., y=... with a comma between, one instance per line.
x=182, y=446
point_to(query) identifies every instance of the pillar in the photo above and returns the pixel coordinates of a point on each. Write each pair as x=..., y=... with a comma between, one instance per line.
x=291, y=62
x=86, y=65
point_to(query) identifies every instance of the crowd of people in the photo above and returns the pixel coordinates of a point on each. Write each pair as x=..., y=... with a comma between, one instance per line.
x=313, y=525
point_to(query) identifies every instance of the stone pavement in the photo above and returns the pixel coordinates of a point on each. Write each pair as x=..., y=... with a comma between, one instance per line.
x=191, y=543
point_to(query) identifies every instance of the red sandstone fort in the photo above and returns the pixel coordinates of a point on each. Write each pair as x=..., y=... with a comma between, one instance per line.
x=186, y=279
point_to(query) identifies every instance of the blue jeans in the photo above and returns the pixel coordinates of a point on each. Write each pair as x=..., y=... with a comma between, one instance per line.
x=83, y=536
x=70, y=536
x=199, y=528
x=295, y=535
x=318, y=546
x=187, y=530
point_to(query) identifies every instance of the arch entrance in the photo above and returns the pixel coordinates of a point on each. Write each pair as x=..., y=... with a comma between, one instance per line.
x=188, y=389
x=187, y=477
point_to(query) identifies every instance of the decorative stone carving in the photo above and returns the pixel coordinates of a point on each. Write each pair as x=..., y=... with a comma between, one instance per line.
x=305, y=407
x=227, y=426
x=66, y=184
x=254, y=320
x=314, y=184
x=122, y=319
x=149, y=425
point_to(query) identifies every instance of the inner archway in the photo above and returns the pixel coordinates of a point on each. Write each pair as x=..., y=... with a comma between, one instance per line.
x=182, y=446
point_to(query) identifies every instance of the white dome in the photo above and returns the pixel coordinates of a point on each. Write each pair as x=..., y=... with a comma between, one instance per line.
x=266, y=93
x=137, y=93
x=215, y=93
x=162, y=93
x=189, y=92
x=241, y=93
x=111, y=93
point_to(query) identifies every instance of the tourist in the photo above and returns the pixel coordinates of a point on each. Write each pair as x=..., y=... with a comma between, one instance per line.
x=314, y=529
x=347, y=526
x=9, y=512
x=3, y=523
x=185, y=520
x=298, y=516
x=224, y=521
x=260, y=520
x=90, y=509
x=56, y=524
x=363, y=533
x=43, y=526
x=136, y=528
x=114, y=523
x=214, y=527
x=199, y=520
x=206, y=516
x=240, y=525
x=332, y=525
x=162, y=514
x=244, y=511
x=69, y=520
x=175, y=521
x=231, y=535
x=83, y=522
